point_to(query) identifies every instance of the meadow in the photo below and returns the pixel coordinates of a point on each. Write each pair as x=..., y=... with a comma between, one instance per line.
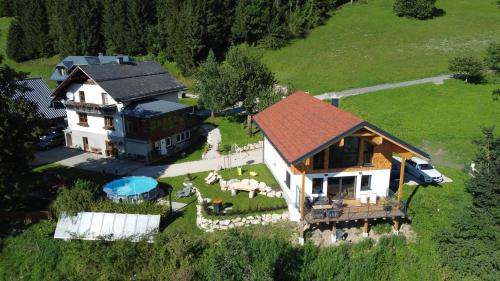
x=365, y=44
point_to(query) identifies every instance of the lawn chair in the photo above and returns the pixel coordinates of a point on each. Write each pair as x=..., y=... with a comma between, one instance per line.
x=363, y=198
x=373, y=198
x=185, y=192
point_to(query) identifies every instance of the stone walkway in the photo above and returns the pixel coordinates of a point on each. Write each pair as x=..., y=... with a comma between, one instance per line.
x=358, y=91
x=214, y=139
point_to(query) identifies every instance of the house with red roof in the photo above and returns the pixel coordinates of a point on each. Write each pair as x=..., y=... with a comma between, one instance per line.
x=332, y=165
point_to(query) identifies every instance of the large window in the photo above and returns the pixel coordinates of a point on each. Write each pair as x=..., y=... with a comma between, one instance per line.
x=366, y=182
x=317, y=186
x=346, y=155
x=319, y=160
x=368, y=154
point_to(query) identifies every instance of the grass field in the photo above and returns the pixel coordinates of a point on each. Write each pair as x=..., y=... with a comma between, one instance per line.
x=233, y=132
x=366, y=44
x=441, y=119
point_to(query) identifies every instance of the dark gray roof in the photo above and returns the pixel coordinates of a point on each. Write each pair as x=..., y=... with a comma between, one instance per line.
x=152, y=108
x=133, y=80
x=40, y=94
x=71, y=61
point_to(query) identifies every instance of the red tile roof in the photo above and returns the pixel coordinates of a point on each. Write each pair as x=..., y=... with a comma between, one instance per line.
x=302, y=123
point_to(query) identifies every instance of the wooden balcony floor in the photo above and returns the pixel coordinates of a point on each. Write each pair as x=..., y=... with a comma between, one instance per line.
x=354, y=210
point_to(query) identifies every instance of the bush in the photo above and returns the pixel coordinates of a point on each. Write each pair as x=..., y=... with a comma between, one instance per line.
x=79, y=198
x=145, y=208
x=492, y=59
x=469, y=67
x=418, y=9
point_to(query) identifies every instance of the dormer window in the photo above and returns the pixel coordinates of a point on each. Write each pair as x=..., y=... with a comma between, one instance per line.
x=62, y=71
x=105, y=100
x=82, y=96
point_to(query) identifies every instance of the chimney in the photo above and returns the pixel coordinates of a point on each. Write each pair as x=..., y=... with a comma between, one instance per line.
x=119, y=60
x=335, y=100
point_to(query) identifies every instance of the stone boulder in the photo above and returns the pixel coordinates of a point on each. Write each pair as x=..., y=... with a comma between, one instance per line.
x=262, y=186
x=254, y=183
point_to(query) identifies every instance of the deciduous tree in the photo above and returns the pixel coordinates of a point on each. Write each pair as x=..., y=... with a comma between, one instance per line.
x=492, y=59
x=469, y=67
x=19, y=127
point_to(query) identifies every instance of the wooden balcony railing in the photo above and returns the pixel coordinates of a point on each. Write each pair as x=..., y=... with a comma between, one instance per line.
x=91, y=107
x=352, y=210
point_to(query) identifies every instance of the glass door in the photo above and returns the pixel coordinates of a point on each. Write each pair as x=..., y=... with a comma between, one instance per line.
x=342, y=186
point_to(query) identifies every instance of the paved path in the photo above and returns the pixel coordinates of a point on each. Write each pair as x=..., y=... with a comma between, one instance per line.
x=358, y=91
x=98, y=163
x=205, y=165
x=214, y=138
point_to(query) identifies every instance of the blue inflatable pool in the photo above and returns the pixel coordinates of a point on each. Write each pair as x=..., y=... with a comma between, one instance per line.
x=131, y=189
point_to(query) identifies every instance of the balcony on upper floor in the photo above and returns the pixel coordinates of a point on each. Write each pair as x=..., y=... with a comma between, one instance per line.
x=93, y=108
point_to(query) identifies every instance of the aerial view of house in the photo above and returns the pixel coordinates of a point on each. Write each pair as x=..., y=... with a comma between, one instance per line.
x=250, y=140
x=125, y=109
x=321, y=152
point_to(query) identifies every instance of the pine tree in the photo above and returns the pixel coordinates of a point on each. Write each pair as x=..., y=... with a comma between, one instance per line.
x=81, y=36
x=34, y=23
x=251, y=19
x=115, y=29
x=16, y=42
x=183, y=23
x=218, y=20
x=209, y=85
x=140, y=16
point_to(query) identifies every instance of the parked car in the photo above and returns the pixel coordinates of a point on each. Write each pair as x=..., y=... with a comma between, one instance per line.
x=423, y=170
x=51, y=138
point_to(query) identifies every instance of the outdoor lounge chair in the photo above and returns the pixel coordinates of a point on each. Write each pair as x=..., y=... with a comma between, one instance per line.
x=318, y=214
x=185, y=192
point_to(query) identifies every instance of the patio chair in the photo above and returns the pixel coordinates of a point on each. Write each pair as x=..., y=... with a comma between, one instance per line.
x=363, y=198
x=373, y=198
x=333, y=213
x=185, y=192
x=318, y=214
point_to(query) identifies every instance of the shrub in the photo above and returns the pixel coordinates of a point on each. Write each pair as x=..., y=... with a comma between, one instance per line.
x=469, y=67
x=418, y=9
x=79, y=198
x=492, y=59
x=147, y=207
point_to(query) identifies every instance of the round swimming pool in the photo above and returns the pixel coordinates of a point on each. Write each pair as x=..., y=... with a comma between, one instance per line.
x=131, y=189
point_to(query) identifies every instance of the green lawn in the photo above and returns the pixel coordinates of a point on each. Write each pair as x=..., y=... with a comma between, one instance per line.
x=233, y=132
x=241, y=200
x=441, y=119
x=366, y=44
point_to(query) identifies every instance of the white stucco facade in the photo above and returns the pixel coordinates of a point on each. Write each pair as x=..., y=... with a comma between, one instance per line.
x=379, y=183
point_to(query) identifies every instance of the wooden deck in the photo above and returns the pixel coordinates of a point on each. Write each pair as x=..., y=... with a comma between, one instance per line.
x=354, y=210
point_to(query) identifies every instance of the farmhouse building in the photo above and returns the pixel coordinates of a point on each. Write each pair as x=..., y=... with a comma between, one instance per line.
x=62, y=69
x=128, y=110
x=51, y=112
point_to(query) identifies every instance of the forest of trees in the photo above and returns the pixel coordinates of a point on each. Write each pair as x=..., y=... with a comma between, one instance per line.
x=183, y=31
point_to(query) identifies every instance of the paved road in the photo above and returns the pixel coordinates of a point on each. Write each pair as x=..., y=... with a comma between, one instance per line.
x=358, y=91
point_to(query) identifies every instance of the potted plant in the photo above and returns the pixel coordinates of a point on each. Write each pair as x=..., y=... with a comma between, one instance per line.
x=217, y=203
x=388, y=202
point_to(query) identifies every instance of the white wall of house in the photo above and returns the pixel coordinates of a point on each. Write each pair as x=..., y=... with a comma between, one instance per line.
x=278, y=167
x=95, y=132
